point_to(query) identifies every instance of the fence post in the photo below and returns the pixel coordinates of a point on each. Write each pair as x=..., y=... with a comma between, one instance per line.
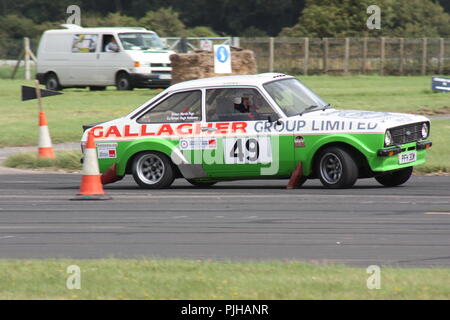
x=325, y=55
x=306, y=56
x=402, y=55
x=346, y=54
x=364, y=60
x=441, y=55
x=424, y=56
x=27, y=58
x=271, y=55
x=236, y=42
x=382, y=55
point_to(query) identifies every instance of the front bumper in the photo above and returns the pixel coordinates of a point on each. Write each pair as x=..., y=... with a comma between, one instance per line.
x=139, y=80
x=389, y=152
x=387, y=159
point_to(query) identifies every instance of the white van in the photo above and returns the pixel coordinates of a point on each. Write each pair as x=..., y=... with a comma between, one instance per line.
x=98, y=57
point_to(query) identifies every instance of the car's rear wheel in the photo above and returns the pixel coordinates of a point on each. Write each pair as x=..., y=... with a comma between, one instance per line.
x=336, y=168
x=201, y=184
x=395, y=178
x=52, y=82
x=153, y=170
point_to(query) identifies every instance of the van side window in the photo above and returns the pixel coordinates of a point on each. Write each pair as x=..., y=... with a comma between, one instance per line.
x=179, y=107
x=109, y=43
x=84, y=43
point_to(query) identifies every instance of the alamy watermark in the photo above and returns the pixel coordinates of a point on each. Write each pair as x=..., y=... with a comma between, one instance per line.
x=74, y=280
x=75, y=15
x=374, y=280
x=374, y=21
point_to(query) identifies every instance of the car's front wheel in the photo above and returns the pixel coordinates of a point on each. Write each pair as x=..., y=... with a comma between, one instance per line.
x=336, y=168
x=153, y=170
x=395, y=178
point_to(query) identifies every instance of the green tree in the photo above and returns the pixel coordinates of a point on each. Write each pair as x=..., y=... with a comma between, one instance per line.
x=347, y=18
x=165, y=22
x=201, y=31
x=17, y=27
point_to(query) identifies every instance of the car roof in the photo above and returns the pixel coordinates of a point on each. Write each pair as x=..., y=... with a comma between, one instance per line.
x=240, y=80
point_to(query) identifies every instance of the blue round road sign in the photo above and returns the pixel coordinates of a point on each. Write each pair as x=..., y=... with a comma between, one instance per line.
x=222, y=54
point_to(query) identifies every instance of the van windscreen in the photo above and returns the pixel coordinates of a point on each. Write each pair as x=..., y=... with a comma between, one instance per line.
x=140, y=41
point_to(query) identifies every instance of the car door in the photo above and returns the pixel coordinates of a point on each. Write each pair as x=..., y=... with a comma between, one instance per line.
x=234, y=117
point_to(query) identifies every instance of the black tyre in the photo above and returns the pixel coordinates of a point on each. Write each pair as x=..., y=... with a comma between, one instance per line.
x=395, y=178
x=336, y=168
x=52, y=82
x=123, y=82
x=153, y=170
x=202, y=184
x=97, y=88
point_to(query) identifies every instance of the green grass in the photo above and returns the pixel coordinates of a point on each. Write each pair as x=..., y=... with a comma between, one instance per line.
x=189, y=279
x=65, y=113
x=438, y=157
x=377, y=93
x=67, y=160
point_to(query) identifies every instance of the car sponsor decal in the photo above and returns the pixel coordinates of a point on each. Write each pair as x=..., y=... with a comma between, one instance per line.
x=197, y=143
x=106, y=150
x=144, y=130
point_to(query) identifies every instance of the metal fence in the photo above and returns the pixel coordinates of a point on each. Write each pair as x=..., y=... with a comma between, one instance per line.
x=393, y=56
x=386, y=56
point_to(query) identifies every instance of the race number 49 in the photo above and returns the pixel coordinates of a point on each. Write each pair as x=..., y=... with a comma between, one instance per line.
x=247, y=150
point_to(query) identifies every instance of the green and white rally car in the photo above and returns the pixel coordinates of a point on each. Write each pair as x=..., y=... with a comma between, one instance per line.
x=256, y=127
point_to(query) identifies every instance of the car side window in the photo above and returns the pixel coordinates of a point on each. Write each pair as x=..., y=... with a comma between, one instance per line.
x=179, y=107
x=236, y=104
x=84, y=43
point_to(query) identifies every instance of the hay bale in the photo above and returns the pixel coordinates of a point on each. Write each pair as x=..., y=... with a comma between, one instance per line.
x=200, y=64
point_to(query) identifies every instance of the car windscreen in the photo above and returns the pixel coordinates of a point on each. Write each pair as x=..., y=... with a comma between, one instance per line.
x=293, y=97
x=140, y=41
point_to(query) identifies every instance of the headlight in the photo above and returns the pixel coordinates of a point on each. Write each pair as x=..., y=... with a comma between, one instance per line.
x=387, y=138
x=425, y=130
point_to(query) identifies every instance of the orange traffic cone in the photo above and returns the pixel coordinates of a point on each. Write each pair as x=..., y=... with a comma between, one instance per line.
x=91, y=187
x=45, y=143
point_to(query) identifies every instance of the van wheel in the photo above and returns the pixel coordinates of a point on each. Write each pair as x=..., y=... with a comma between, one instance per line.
x=152, y=170
x=123, y=82
x=395, y=178
x=336, y=168
x=52, y=82
x=97, y=88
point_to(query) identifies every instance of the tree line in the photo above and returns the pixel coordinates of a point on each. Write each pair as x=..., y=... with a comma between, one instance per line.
x=244, y=18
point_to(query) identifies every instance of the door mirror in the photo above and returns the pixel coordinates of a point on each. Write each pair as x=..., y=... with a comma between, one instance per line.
x=274, y=118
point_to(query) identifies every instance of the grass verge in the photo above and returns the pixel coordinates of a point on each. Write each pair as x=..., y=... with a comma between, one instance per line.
x=438, y=157
x=195, y=279
x=66, y=160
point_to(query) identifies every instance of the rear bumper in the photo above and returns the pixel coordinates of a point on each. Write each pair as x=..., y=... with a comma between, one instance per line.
x=139, y=80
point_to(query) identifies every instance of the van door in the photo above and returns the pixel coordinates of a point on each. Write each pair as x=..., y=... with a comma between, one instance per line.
x=109, y=61
x=84, y=59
